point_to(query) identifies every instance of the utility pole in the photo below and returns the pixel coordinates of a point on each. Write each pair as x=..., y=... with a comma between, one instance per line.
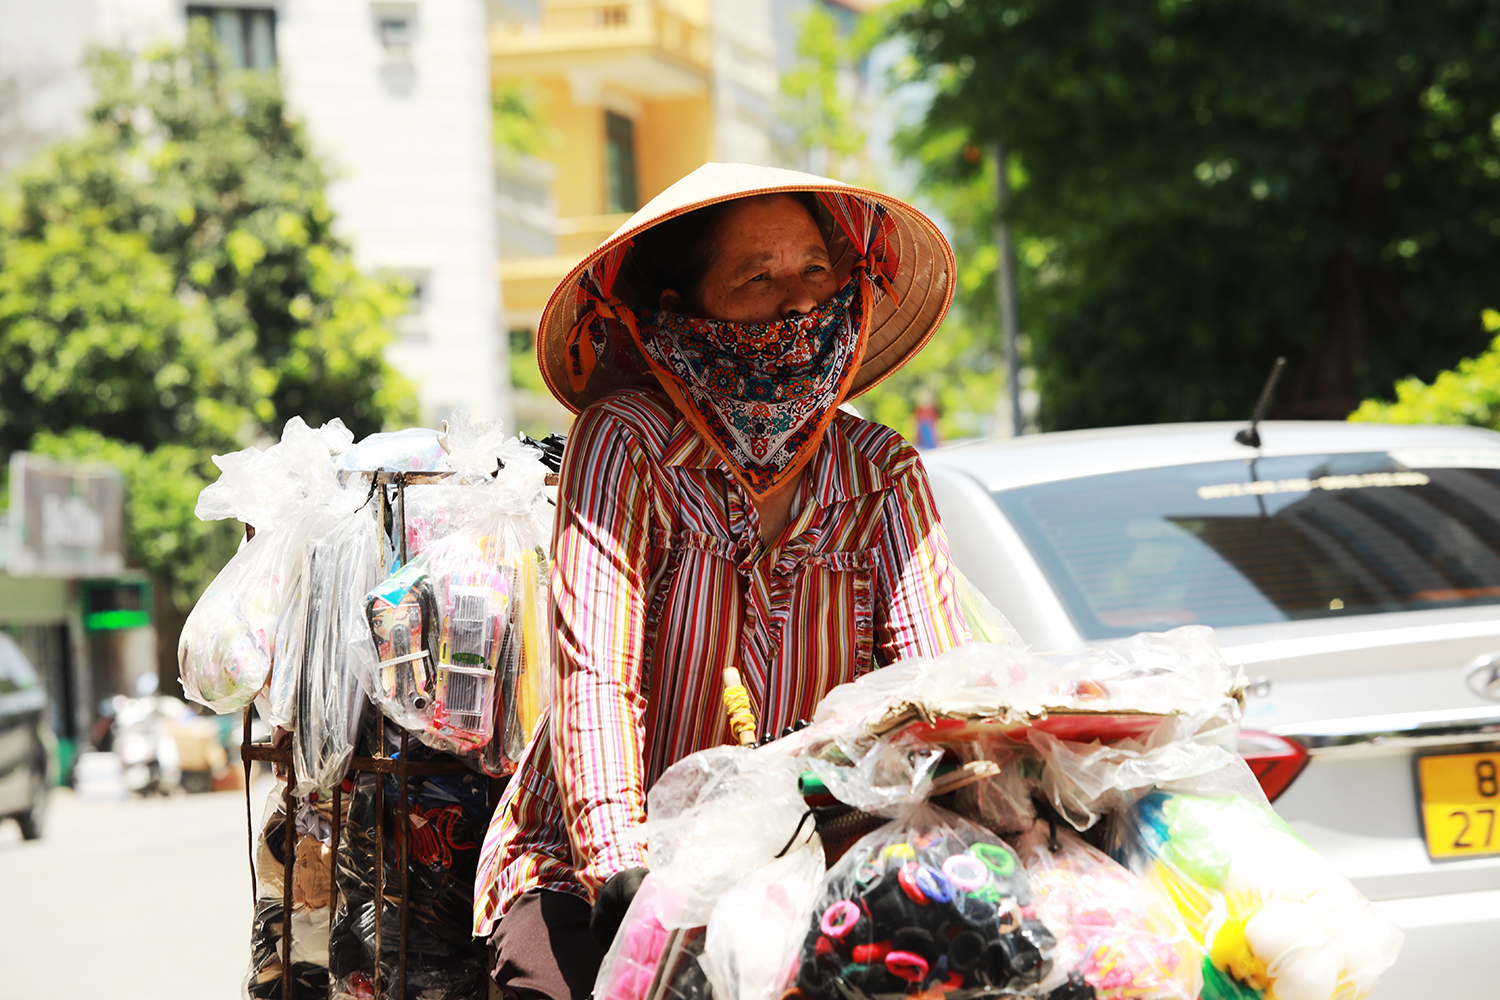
x=1005, y=292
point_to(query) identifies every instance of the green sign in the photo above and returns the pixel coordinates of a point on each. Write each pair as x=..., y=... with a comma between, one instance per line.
x=115, y=604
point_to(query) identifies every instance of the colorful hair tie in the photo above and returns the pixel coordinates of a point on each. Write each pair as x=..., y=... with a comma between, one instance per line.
x=996, y=858
x=966, y=872
x=907, y=877
x=839, y=918
x=905, y=965
x=934, y=884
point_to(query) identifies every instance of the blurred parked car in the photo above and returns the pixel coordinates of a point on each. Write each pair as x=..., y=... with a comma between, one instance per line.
x=1353, y=570
x=26, y=742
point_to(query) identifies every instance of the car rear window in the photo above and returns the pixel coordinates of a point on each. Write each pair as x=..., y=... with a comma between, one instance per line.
x=1268, y=540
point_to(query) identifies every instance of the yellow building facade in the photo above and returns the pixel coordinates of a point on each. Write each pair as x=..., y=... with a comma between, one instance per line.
x=625, y=91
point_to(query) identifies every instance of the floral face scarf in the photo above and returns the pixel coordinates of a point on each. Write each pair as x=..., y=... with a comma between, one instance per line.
x=762, y=395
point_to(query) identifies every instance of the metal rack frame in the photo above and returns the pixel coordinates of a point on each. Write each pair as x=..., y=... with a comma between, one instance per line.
x=401, y=767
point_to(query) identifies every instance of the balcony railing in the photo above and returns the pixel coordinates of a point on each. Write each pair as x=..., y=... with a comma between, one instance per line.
x=583, y=26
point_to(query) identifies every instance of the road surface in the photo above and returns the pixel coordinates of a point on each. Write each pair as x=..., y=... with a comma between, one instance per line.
x=135, y=900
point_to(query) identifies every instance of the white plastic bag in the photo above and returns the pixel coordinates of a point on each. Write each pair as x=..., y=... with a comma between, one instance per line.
x=751, y=945
x=462, y=647
x=228, y=641
x=1267, y=911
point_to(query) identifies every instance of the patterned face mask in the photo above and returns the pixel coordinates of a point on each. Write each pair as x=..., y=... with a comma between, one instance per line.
x=761, y=394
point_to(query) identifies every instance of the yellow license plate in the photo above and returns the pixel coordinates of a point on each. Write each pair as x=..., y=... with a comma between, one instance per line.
x=1460, y=804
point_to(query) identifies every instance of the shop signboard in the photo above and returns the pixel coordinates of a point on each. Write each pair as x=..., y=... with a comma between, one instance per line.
x=66, y=520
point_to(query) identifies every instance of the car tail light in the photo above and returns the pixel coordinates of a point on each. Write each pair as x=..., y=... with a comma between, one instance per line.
x=1275, y=760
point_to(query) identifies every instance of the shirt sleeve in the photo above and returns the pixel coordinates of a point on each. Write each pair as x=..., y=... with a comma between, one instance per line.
x=600, y=578
x=918, y=594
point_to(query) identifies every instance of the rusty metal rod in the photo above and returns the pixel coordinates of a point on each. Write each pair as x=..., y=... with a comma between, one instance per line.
x=405, y=856
x=290, y=830
x=249, y=820
x=379, y=866
x=333, y=867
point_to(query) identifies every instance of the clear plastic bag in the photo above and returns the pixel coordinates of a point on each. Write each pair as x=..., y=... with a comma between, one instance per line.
x=653, y=956
x=929, y=902
x=1269, y=914
x=1115, y=934
x=751, y=942
x=228, y=640
x=719, y=819
x=1170, y=685
x=460, y=632
x=339, y=566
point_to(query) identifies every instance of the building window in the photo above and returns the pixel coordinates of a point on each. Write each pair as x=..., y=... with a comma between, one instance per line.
x=412, y=325
x=246, y=34
x=396, y=29
x=619, y=153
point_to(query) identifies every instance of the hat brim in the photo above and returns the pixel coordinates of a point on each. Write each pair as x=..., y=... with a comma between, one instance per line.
x=899, y=325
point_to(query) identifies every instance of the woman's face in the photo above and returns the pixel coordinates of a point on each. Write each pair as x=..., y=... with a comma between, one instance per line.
x=770, y=262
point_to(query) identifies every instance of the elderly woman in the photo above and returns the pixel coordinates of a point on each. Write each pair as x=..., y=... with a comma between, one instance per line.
x=716, y=510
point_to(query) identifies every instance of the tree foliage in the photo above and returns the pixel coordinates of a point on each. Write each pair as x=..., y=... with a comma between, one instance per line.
x=1469, y=393
x=171, y=284
x=1211, y=183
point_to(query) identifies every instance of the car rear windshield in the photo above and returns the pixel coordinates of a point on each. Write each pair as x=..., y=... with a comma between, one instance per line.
x=1268, y=540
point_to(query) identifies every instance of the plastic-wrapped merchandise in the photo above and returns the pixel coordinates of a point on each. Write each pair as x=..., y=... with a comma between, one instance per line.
x=926, y=903
x=654, y=957
x=719, y=820
x=403, y=622
x=1271, y=917
x=312, y=829
x=229, y=638
x=1155, y=688
x=339, y=566
x=1117, y=935
x=448, y=816
x=412, y=449
x=478, y=680
x=750, y=944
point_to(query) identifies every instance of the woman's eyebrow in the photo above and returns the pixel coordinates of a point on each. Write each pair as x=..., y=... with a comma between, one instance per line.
x=814, y=251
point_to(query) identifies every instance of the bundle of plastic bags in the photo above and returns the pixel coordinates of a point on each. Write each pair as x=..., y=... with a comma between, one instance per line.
x=453, y=644
x=1270, y=916
x=229, y=639
x=999, y=824
x=460, y=635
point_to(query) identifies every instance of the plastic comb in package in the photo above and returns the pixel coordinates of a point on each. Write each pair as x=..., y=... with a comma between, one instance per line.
x=403, y=624
x=476, y=616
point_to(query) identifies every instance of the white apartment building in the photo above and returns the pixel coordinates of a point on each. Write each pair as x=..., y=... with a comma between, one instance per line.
x=396, y=97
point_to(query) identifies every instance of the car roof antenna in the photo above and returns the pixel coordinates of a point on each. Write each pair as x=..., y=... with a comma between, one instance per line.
x=1249, y=436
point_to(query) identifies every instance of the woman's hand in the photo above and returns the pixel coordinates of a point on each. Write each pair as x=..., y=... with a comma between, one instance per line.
x=614, y=899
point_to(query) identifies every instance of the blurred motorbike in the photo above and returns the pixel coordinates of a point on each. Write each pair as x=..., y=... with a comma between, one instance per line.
x=138, y=731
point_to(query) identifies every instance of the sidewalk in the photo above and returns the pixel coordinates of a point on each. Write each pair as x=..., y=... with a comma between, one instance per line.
x=147, y=899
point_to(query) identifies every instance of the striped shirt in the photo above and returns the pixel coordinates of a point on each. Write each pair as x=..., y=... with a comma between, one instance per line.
x=660, y=580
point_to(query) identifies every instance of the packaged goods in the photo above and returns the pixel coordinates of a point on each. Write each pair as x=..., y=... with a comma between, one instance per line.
x=929, y=902
x=1115, y=934
x=1270, y=916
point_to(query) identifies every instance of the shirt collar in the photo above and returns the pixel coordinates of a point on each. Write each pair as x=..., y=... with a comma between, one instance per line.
x=838, y=469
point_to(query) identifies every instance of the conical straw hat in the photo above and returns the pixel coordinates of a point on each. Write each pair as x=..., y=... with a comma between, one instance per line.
x=898, y=328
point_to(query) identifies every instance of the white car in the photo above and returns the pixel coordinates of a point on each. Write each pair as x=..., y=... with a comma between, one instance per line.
x=1353, y=570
